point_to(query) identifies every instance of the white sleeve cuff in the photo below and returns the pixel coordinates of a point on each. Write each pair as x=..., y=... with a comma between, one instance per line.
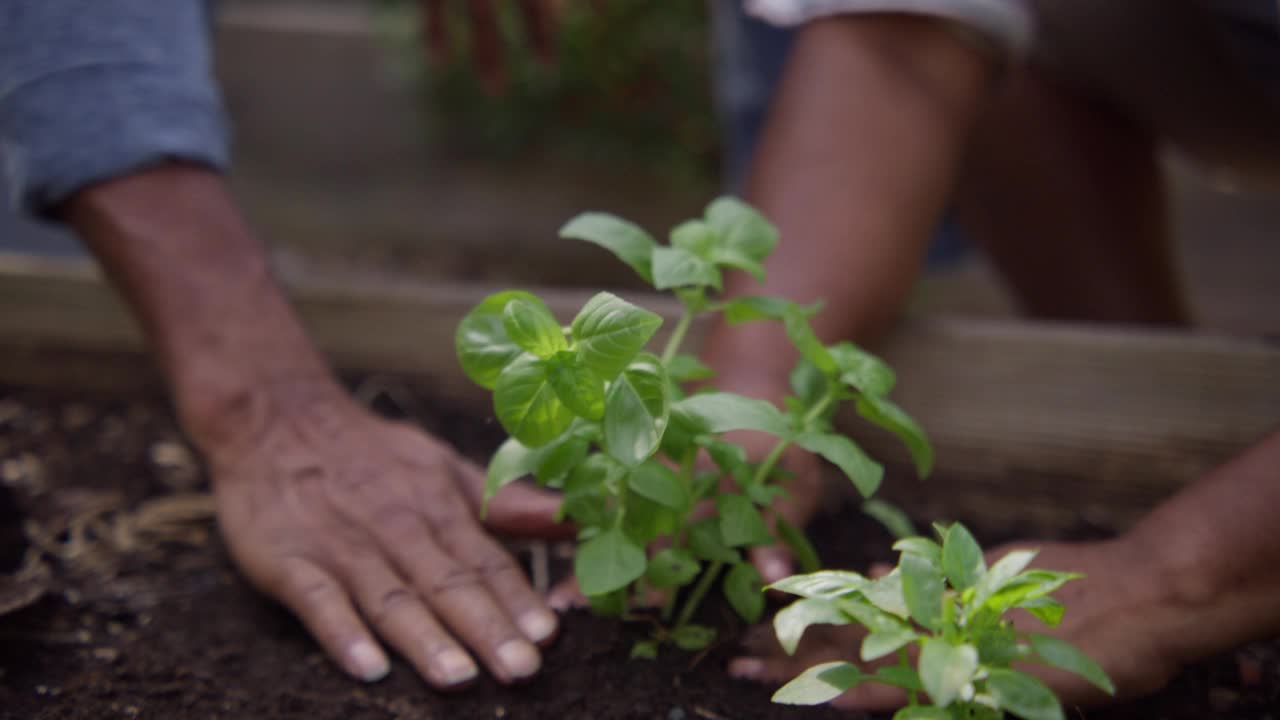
x=1007, y=24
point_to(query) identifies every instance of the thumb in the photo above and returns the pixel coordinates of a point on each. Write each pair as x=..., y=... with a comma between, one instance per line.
x=773, y=562
x=519, y=509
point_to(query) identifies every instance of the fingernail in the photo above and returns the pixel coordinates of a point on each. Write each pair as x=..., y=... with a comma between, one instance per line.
x=455, y=667
x=538, y=625
x=519, y=658
x=368, y=662
x=748, y=668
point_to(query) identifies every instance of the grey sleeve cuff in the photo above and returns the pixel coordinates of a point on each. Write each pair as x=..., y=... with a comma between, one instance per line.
x=1006, y=24
x=91, y=90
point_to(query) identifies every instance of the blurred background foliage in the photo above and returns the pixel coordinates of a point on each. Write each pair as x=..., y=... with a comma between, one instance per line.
x=630, y=87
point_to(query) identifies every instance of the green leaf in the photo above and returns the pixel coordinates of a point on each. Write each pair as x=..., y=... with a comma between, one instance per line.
x=1000, y=574
x=693, y=637
x=821, y=683
x=687, y=368
x=657, y=482
x=922, y=588
x=580, y=389
x=607, y=562
x=822, y=585
x=646, y=520
x=871, y=617
x=808, y=383
x=842, y=452
x=532, y=326
x=741, y=228
x=589, y=488
x=801, y=549
x=672, y=567
x=706, y=542
x=731, y=459
x=752, y=308
x=1023, y=695
x=1046, y=609
x=481, y=341
x=644, y=650
x=878, y=644
x=884, y=413
x=609, y=331
x=891, y=517
x=791, y=622
x=610, y=604
x=720, y=412
x=997, y=643
x=556, y=460
x=886, y=594
x=898, y=676
x=1030, y=585
x=922, y=712
x=512, y=461
x=678, y=268
x=945, y=669
x=695, y=236
x=1065, y=656
x=740, y=521
x=796, y=323
x=743, y=588
x=625, y=239
x=636, y=411
x=924, y=547
x=962, y=558
x=861, y=370
x=527, y=406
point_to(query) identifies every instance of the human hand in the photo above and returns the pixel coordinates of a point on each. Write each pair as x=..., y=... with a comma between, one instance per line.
x=354, y=522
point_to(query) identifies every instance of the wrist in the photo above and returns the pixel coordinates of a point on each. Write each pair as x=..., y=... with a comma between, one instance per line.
x=172, y=240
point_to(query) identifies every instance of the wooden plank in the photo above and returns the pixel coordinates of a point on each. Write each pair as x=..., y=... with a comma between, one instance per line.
x=1064, y=423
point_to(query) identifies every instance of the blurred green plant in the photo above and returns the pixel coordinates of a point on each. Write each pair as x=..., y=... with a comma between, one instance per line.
x=630, y=86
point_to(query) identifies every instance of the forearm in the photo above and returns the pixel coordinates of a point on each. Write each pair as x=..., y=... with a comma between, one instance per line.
x=859, y=155
x=173, y=242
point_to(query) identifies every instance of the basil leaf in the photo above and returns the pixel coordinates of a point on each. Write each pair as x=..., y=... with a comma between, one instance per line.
x=693, y=637
x=1065, y=656
x=675, y=267
x=527, y=406
x=821, y=683
x=607, y=562
x=481, y=341
x=1023, y=695
x=740, y=522
x=922, y=588
x=706, y=542
x=880, y=411
x=624, y=239
x=580, y=389
x=609, y=331
x=865, y=473
x=671, y=568
x=720, y=412
x=532, y=326
x=962, y=558
x=636, y=411
x=945, y=669
x=743, y=587
x=791, y=622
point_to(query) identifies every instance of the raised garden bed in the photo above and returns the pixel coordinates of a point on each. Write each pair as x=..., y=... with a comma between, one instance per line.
x=146, y=618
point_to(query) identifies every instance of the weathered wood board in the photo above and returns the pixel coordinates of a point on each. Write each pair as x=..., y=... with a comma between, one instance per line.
x=1069, y=423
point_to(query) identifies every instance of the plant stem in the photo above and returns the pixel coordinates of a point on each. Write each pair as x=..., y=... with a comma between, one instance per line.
x=765, y=468
x=699, y=591
x=677, y=335
x=904, y=661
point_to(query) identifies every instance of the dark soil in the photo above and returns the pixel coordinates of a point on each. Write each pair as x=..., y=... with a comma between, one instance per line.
x=162, y=627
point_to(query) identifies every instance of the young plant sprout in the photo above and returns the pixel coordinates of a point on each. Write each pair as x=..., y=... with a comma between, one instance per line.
x=594, y=414
x=943, y=599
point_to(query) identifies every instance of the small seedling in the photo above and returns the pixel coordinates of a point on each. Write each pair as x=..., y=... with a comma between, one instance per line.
x=592, y=413
x=943, y=599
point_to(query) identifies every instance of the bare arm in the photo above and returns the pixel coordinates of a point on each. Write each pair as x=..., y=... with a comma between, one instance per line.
x=860, y=152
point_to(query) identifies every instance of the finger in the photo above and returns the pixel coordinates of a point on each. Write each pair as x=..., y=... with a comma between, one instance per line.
x=401, y=618
x=537, y=26
x=774, y=562
x=566, y=595
x=435, y=31
x=517, y=509
x=322, y=605
x=453, y=591
x=486, y=45
x=506, y=581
